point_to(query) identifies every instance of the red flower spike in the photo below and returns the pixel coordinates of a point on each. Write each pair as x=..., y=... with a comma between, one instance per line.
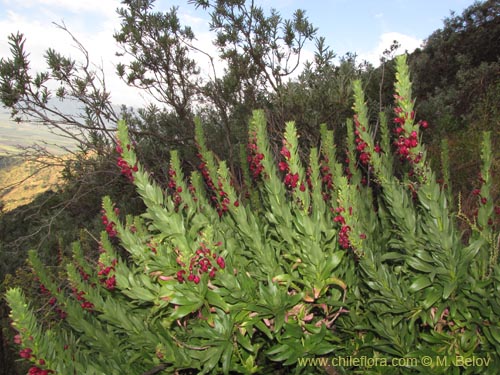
x=291, y=180
x=285, y=152
x=283, y=166
x=180, y=276
x=344, y=237
x=339, y=219
x=221, y=262
x=25, y=353
x=111, y=283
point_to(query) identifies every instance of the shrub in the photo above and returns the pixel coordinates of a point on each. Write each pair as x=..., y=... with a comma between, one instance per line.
x=347, y=260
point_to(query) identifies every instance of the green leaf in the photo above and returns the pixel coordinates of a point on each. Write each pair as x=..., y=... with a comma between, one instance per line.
x=431, y=296
x=215, y=299
x=182, y=311
x=449, y=287
x=419, y=265
x=244, y=341
x=419, y=283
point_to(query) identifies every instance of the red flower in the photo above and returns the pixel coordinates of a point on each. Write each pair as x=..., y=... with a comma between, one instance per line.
x=291, y=180
x=18, y=339
x=361, y=146
x=285, y=152
x=119, y=148
x=364, y=158
x=25, y=353
x=344, y=237
x=283, y=166
x=339, y=219
x=39, y=371
x=221, y=262
x=87, y=305
x=212, y=272
x=180, y=275
x=111, y=283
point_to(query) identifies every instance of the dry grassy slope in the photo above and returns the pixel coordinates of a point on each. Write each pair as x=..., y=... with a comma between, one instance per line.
x=16, y=186
x=22, y=182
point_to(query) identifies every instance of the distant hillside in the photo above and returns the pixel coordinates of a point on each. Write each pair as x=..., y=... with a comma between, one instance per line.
x=13, y=135
x=22, y=181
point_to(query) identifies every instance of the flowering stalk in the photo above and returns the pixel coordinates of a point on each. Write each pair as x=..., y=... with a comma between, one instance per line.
x=291, y=166
x=208, y=169
x=408, y=144
x=33, y=342
x=127, y=161
x=250, y=193
x=331, y=169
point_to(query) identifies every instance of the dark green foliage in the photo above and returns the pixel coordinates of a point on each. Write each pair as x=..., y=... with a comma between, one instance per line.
x=259, y=52
x=410, y=293
x=322, y=94
x=323, y=262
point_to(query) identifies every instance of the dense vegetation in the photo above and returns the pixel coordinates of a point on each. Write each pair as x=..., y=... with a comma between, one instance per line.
x=456, y=85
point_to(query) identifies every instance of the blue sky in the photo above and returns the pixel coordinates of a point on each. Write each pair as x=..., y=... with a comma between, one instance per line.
x=365, y=27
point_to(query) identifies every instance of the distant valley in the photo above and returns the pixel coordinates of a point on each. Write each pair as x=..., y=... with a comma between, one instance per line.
x=19, y=184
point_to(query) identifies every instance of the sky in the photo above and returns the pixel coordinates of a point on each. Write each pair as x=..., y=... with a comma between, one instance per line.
x=364, y=27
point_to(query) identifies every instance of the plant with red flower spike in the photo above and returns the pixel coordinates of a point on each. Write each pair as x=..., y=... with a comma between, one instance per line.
x=285, y=151
x=39, y=371
x=295, y=176
x=344, y=236
x=126, y=169
x=26, y=353
x=202, y=262
x=291, y=180
x=289, y=288
x=17, y=339
x=255, y=159
x=283, y=166
x=109, y=225
x=208, y=169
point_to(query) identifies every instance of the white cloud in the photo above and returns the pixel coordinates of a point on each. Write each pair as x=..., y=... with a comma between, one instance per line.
x=96, y=37
x=103, y=7
x=407, y=42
